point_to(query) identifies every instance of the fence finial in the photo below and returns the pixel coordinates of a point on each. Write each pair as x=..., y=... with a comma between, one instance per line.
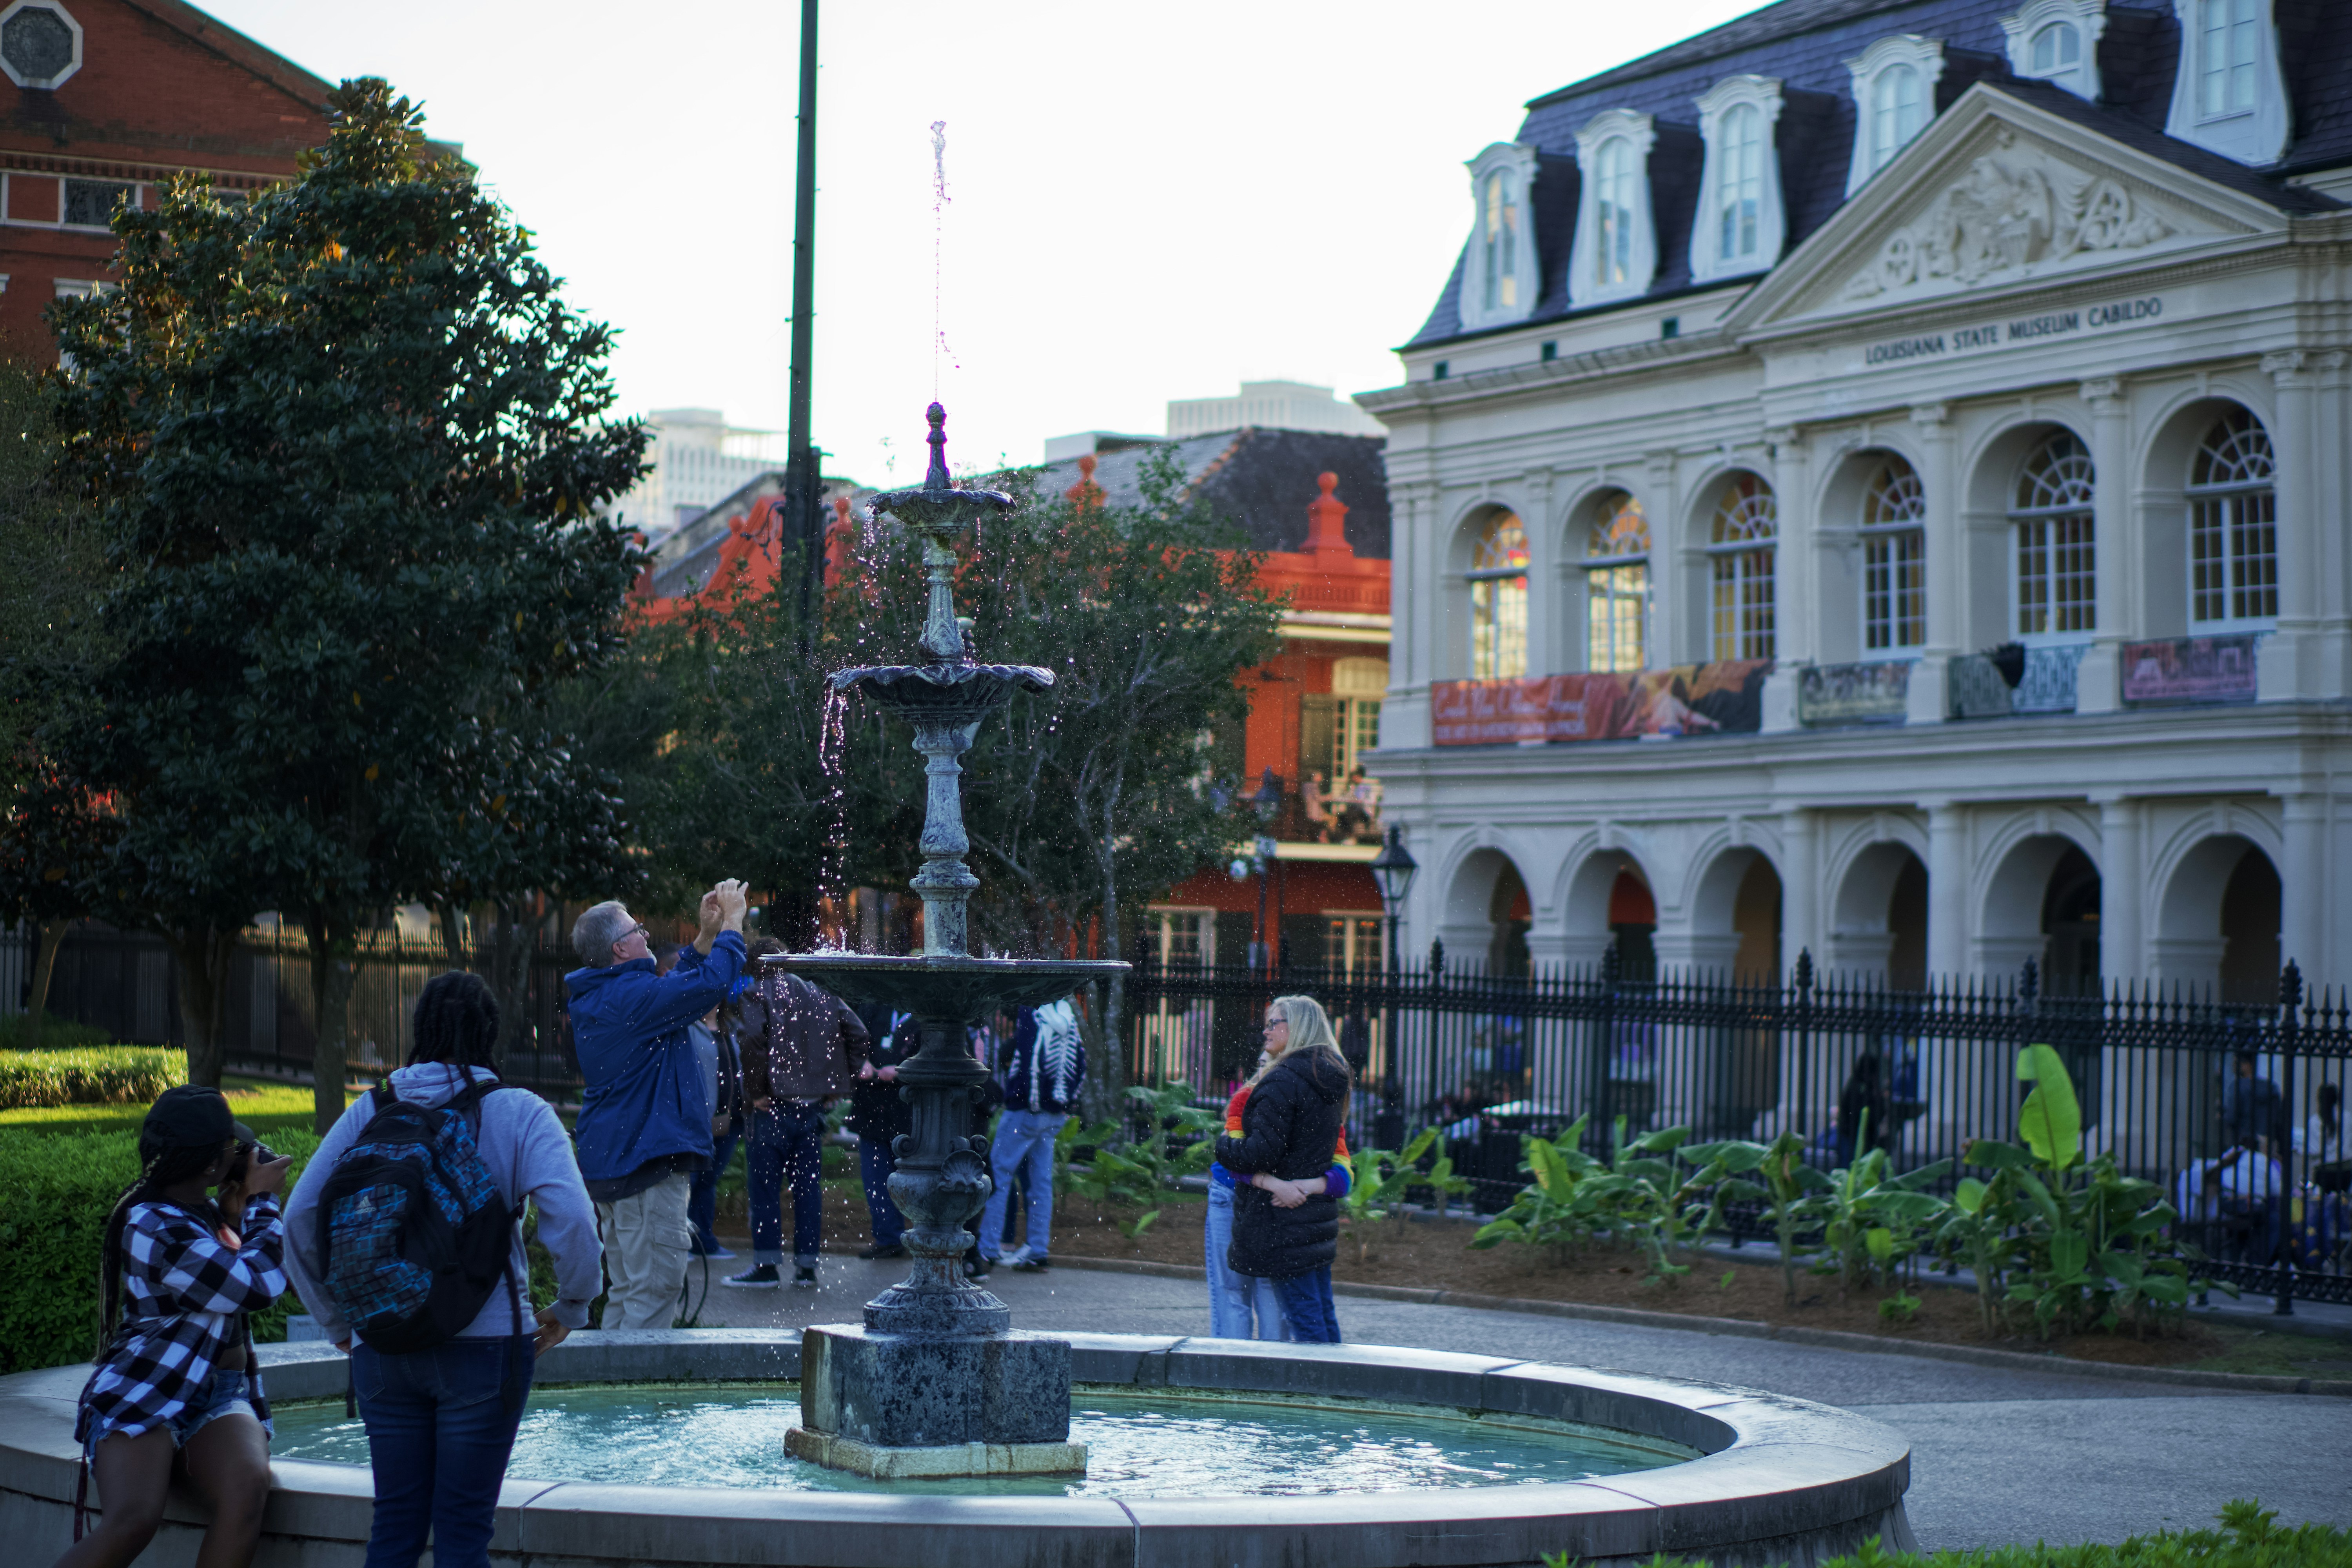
x=1436, y=957
x=2028, y=981
x=2290, y=988
x=1804, y=969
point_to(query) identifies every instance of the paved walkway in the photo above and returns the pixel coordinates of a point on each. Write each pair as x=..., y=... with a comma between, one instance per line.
x=1998, y=1455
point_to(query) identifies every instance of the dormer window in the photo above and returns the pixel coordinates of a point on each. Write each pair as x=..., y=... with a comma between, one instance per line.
x=2057, y=41
x=1893, y=97
x=1741, y=225
x=1616, y=251
x=2228, y=95
x=1500, y=279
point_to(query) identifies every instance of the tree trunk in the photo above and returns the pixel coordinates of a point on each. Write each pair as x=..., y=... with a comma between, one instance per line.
x=453, y=935
x=204, y=954
x=335, y=949
x=52, y=933
x=514, y=940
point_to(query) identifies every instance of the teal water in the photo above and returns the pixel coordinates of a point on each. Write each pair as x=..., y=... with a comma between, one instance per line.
x=733, y=1435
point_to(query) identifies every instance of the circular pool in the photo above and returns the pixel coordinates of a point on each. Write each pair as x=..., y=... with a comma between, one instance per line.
x=661, y=1448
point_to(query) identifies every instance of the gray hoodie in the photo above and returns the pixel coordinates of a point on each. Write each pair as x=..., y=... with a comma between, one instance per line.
x=529, y=1155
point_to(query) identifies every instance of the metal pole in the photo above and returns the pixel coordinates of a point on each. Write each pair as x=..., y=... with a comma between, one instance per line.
x=802, y=481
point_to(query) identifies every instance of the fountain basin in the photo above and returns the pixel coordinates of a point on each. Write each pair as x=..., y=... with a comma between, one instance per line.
x=1781, y=1480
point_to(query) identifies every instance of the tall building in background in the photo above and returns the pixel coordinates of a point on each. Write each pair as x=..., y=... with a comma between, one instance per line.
x=1270, y=404
x=698, y=461
x=100, y=102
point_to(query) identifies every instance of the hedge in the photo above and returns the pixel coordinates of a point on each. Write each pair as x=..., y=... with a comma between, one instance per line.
x=57, y=1034
x=111, y=1075
x=61, y=1189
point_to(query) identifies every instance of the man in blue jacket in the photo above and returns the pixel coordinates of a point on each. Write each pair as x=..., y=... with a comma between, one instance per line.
x=645, y=1114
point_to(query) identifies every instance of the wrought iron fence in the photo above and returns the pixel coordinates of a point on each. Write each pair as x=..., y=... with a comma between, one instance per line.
x=2218, y=1104
x=124, y=983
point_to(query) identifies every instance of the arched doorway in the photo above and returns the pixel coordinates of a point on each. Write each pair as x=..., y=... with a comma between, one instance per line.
x=2020, y=900
x=1510, y=913
x=1486, y=915
x=2249, y=932
x=1755, y=917
x=2070, y=927
x=1879, y=926
x=2219, y=922
x=1632, y=924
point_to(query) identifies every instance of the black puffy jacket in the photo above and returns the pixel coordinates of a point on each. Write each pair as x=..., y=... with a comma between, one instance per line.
x=1290, y=1125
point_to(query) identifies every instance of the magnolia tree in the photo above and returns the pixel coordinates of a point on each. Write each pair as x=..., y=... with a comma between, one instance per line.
x=348, y=443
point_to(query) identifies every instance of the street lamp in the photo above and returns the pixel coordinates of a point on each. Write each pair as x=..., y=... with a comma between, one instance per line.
x=1266, y=800
x=1392, y=868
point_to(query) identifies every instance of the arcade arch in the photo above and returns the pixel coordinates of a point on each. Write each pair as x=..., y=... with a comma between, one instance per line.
x=1607, y=902
x=1734, y=923
x=2042, y=902
x=1486, y=915
x=2218, y=921
x=1878, y=922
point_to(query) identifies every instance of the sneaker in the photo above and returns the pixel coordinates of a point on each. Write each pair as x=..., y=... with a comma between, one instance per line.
x=759, y=1276
x=716, y=1250
x=977, y=1268
x=1028, y=1263
x=804, y=1278
x=1014, y=1258
x=894, y=1250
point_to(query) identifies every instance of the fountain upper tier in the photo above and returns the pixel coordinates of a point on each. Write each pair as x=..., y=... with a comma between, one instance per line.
x=964, y=990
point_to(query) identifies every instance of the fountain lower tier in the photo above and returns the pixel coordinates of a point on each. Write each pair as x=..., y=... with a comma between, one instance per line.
x=922, y=1406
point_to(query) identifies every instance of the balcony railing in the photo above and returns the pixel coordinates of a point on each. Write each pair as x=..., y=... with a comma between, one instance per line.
x=2184, y=671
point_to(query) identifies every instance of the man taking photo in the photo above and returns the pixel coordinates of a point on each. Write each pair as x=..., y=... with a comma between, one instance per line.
x=644, y=1114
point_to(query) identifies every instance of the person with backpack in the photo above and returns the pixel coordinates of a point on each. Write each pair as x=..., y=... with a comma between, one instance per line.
x=177, y=1387
x=644, y=1114
x=1043, y=1073
x=436, y=1316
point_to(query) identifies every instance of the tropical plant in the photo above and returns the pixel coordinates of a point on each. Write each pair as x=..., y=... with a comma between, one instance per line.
x=1135, y=1167
x=1776, y=1176
x=1560, y=1210
x=1382, y=1180
x=1870, y=1217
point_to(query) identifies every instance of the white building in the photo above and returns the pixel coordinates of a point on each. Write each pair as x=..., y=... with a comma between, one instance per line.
x=698, y=461
x=1929, y=423
x=1270, y=404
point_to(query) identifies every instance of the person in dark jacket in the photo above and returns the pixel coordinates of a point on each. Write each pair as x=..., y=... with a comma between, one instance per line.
x=1864, y=1107
x=644, y=1114
x=801, y=1046
x=1042, y=1072
x=1285, y=1221
x=879, y=1114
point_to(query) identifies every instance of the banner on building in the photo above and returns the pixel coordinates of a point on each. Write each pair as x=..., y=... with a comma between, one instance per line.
x=1836, y=694
x=1723, y=698
x=2189, y=669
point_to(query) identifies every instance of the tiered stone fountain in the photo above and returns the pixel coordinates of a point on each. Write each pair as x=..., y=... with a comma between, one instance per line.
x=936, y=1382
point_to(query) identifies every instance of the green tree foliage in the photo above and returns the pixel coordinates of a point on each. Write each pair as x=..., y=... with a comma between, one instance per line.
x=351, y=440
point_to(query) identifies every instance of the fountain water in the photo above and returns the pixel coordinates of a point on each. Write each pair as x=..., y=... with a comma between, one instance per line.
x=936, y=1382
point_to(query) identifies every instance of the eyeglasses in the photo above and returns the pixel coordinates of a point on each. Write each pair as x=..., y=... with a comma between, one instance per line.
x=640, y=928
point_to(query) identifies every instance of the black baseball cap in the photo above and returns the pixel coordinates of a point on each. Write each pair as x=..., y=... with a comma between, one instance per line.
x=192, y=1117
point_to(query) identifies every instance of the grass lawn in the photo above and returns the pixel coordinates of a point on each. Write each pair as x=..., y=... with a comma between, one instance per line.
x=263, y=1104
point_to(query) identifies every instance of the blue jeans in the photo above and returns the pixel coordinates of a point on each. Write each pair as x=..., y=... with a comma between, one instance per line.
x=787, y=1146
x=1025, y=1143
x=874, y=1163
x=1306, y=1303
x=702, y=1198
x=1235, y=1298
x=438, y=1435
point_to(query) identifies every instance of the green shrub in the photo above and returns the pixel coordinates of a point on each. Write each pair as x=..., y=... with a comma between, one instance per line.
x=57, y=1034
x=61, y=1189
x=2249, y=1538
x=112, y=1075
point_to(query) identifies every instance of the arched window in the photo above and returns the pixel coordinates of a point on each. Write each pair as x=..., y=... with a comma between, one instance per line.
x=1898, y=108
x=1894, y=559
x=2230, y=34
x=1613, y=174
x=1498, y=601
x=1740, y=545
x=1500, y=221
x=1739, y=185
x=1617, y=584
x=2056, y=48
x=2232, y=526
x=2057, y=575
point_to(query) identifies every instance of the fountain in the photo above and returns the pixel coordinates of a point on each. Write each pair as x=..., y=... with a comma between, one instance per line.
x=933, y=1432
x=936, y=1382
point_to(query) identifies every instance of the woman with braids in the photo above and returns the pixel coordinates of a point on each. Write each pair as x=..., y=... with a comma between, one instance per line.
x=441, y=1421
x=177, y=1384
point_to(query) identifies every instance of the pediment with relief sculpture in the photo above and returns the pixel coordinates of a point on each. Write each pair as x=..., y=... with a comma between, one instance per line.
x=1992, y=202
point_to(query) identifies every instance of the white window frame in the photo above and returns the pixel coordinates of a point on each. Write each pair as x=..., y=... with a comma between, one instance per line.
x=1584, y=285
x=1506, y=638
x=2089, y=20
x=1592, y=565
x=2021, y=516
x=1708, y=261
x=1892, y=534
x=2230, y=501
x=1925, y=56
x=2254, y=135
x=1517, y=164
x=72, y=26
x=1731, y=565
x=138, y=189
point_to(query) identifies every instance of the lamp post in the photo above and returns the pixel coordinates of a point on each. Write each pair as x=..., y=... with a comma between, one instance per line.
x=1266, y=800
x=1392, y=869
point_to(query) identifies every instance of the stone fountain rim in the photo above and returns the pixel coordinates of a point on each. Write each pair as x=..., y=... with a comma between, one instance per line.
x=1782, y=1479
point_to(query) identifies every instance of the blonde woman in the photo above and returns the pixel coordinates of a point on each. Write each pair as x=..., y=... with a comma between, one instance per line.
x=1285, y=1225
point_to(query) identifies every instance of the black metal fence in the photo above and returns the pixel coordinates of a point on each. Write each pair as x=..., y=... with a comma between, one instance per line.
x=2219, y=1105
x=124, y=983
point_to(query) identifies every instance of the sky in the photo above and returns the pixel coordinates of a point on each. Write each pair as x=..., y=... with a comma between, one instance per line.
x=1146, y=202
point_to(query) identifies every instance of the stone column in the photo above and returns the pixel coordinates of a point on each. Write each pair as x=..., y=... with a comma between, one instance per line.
x=2298, y=450
x=2123, y=891
x=1948, y=888
x=1796, y=577
x=1671, y=565
x=1947, y=549
x=1546, y=612
x=1802, y=927
x=2305, y=890
x=2099, y=678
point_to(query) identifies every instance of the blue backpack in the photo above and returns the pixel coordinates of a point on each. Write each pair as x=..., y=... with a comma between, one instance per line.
x=413, y=1233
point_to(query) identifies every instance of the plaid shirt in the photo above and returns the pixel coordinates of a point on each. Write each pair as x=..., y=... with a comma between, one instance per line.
x=183, y=1292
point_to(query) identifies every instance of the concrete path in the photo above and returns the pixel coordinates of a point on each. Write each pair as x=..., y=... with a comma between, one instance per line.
x=1998, y=1455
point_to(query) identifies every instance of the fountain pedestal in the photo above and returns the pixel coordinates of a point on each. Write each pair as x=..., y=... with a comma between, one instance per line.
x=933, y=1405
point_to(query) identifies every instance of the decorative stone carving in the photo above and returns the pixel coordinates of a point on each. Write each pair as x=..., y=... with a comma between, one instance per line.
x=2011, y=213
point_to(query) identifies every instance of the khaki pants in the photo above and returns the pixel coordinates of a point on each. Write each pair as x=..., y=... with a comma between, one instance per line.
x=646, y=1238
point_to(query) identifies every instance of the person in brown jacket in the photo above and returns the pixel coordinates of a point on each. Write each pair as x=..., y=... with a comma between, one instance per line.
x=801, y=1046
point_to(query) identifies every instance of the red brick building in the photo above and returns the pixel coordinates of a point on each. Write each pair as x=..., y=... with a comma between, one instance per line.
x=102, y=100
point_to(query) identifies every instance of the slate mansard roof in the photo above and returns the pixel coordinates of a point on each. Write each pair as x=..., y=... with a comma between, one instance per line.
x=1805, y=44
x=1261, y=477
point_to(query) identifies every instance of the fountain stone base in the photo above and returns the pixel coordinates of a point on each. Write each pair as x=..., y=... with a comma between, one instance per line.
x=887, y=1404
